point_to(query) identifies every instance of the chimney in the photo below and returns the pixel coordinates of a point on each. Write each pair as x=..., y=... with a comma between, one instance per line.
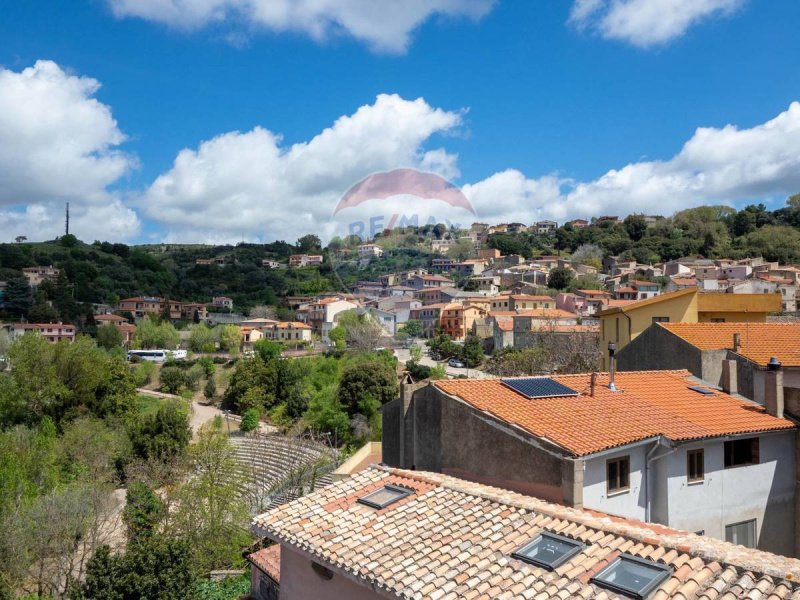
x=737, y=342
x=729, y=383
x=612, y=366
x=592, y=384
x=773, y=388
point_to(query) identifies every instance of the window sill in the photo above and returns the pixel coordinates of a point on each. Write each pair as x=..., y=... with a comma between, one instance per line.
x=695, y=482
x=617, y=492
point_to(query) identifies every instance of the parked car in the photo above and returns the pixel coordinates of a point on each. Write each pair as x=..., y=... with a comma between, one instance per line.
x=455, y=363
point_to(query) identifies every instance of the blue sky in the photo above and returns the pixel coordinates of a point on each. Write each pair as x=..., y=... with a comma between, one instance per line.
x=548, y=109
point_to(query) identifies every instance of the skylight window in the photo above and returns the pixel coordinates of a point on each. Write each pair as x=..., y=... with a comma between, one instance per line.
x=548, y=550
x=388, y=494
x=701, y=390
x=632, y=576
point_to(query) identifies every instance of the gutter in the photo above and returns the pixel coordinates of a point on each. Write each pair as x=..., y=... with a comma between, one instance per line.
x=649, y=458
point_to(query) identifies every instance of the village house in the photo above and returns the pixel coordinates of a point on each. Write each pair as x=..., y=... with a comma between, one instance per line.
x=52, y=332
x=545, y=227
x=37, y=275
x=654, y=446
x=219, y=261
x=436, y=295
x=393, y=533
x=121, y=323
x=456, y=320
x=305, y=260
x=270, y=264
x=369, y=251
x=422, y=282
x=522, y=329
x=429, y=317
x=141, y=306
x=222, y=302
x=620, y=325
x=287, y=331
x=733, y=356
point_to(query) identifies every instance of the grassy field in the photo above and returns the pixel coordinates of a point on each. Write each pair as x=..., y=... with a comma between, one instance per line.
x=147, y=404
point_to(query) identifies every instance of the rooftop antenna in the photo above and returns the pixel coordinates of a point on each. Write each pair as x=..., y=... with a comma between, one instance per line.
x=66, y=228
x=612, y=365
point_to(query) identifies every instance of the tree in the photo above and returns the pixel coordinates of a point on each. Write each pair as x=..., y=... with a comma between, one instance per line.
x=151, y=334
x=144, y=512
x=229, y=338
x=367, y=379
x=109, y=336
x=160, y=569
x=201, y=337
x=338, y=335
x=363, y=331
x=413, y=327
x=210, y=389
x=163, y=435
x=42, y=313
x=172, y=379
x=473, y=351
x=166, y=312
x=415, y=352
x=308, y=243
x=20, y=238
x=560, y=278
x=250, y=420
x=210, y=512
x=461, y=250
x=18, y=296
x=636, y=226
x=588, y=254
x=196, y=316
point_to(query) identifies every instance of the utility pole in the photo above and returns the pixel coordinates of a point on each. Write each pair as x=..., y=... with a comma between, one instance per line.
x=67, y=223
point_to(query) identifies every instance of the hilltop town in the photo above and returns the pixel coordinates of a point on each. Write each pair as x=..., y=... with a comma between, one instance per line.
x=623, y=406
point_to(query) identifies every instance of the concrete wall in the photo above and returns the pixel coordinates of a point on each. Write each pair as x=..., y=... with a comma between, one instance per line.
x=630, y=504
x=657, y=348
x=299, y=581
x=765, y=492
x=434, y=432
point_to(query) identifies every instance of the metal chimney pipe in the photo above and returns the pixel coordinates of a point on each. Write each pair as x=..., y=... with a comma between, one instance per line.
x=612, y=366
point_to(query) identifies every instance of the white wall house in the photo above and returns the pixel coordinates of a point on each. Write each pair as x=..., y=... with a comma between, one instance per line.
x=751, y=503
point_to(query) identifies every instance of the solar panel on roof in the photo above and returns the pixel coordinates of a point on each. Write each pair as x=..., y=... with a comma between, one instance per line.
x=538, y=387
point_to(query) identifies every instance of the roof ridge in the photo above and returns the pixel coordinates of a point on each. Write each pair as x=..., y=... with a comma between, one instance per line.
x=655, y=534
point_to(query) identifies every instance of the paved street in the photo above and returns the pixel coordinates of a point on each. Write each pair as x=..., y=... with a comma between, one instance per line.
x=405, y=355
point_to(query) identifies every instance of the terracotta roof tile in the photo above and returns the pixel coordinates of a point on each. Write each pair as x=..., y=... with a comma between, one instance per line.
x=759, y=341
x=268, y=560
x=453, y=539
x=650, y=403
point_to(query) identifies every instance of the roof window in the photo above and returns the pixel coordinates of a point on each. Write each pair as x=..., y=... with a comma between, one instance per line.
x=388, y=494
x=632, y=576
x=701, y=390
x=548, y=550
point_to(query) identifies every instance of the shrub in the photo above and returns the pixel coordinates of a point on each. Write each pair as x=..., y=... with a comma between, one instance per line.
x=250, y=420
x=172, y=379
x=143, y=373
x=210, y=389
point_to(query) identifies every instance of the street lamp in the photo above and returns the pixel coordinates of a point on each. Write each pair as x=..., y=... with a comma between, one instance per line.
x=227, y=422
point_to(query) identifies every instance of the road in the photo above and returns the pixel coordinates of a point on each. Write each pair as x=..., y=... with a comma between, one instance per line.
x=404, y=355
x=203, y=413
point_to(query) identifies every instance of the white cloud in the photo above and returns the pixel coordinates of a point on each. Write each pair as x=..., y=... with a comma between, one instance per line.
x=385, y=25
x=646, y=23
x=58, y=143
x=717, y=165
x=250, y=185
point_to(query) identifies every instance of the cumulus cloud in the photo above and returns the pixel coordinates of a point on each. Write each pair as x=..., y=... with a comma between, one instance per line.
x=58, y=143
x=646, y=23
x=249, y=184
x=384, y=25
x=717, y=165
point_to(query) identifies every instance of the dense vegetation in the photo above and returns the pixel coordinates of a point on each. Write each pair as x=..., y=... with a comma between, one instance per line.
x=711, y=231
x=72, y=431
x=339, y=394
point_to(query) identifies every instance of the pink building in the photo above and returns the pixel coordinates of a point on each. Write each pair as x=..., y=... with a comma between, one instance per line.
x=52, y=332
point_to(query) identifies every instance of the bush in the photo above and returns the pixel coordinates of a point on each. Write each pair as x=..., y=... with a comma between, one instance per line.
x=143, y=373
x=250, y=420
x=172, y=379
x=210, y=389
x=194, y=376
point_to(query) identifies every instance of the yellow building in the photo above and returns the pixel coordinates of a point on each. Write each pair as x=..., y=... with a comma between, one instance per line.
x=622, y=324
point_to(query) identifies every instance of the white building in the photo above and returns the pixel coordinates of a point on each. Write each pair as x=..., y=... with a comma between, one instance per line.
x=369, y=251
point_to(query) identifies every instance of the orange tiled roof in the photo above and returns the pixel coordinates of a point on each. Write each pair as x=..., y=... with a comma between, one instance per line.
x=268, y=560
x=649, y=403
x=544, y=313
x=454, y=539
x=759, y=341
